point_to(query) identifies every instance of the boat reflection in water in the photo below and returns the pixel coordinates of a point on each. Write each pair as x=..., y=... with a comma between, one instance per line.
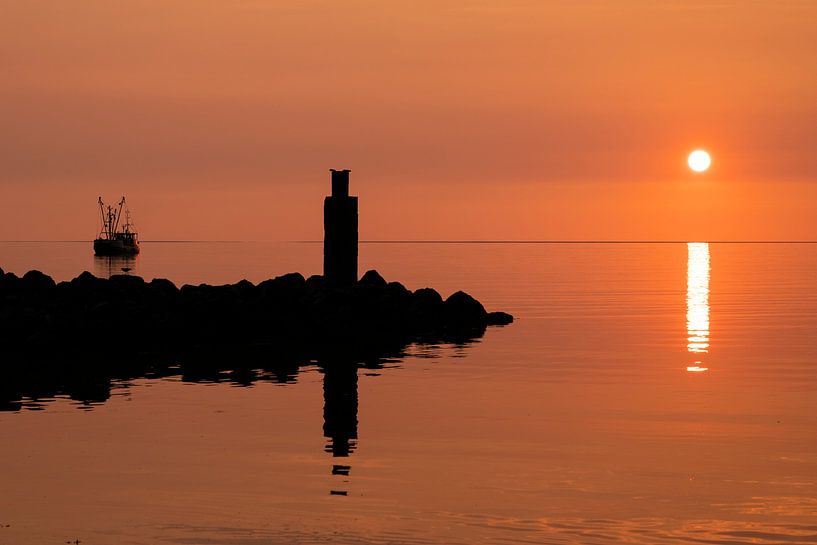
x=698, y=304
x=106, y=266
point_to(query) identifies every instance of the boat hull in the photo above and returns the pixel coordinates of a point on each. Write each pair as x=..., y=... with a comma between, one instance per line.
x=115, y=247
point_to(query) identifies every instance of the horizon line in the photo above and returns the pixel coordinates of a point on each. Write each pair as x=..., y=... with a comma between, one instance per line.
x=455, y=241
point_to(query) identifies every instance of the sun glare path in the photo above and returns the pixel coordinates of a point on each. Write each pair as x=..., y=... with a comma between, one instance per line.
x=697, y=301
x=697, y=368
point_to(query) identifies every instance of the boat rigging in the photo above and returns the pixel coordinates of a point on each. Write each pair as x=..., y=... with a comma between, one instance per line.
x=112, y=239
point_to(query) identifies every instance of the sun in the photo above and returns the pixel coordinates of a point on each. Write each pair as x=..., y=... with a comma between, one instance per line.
x=699, y=160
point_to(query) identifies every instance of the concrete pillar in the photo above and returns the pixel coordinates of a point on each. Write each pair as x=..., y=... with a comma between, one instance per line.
x=340, y=232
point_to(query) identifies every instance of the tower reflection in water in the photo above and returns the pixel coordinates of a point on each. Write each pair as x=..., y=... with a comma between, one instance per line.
x=698, y=304
x=340, y=415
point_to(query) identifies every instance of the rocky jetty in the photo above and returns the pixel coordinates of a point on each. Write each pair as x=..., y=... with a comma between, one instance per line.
x=126, y=314
x=77, y=338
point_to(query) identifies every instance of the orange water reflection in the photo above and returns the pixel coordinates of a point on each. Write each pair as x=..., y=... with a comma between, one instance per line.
x=698, y=304
x=572, y=426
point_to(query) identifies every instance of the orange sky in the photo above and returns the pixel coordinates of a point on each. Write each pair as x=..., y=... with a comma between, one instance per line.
x=483, y=119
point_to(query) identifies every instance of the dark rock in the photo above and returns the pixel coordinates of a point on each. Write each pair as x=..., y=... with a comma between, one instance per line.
x=124, y=327
x=64, y=286
x=102, y=311
x=127, y=281
x=8, y=282
x=289, y=281
x=315, y=283
x=244, y=289
x=427, y=296
x=90, y=315
x=499, y=318
x=36, y=280
x=372, y=279
x=396, y=288
x=462, y=309
x=86, y=280
x=282, y=292
x=397, y=296
x=292, y=283
x=425, y=310
x=189, y=290
x=426, y=301
x=163, y=286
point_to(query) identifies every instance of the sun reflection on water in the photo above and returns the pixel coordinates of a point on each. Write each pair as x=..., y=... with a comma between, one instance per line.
x=698, y=303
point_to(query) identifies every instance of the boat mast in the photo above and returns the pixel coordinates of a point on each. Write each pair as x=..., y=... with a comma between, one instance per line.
x=118, y=214
x=127, y=225
x=111, y=217
x=102, y=214
x=108, y=218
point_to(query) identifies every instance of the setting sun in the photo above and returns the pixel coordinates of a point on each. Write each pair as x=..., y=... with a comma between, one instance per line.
x=699, y=161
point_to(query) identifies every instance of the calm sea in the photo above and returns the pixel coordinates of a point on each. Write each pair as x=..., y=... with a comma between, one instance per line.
x=647, y=393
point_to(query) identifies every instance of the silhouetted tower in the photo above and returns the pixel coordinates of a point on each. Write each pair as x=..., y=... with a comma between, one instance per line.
x=340, y=232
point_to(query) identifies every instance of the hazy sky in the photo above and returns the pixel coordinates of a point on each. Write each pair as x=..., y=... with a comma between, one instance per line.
x=492, y=119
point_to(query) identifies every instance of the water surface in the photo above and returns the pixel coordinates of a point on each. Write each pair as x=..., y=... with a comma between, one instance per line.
x=648, y=393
